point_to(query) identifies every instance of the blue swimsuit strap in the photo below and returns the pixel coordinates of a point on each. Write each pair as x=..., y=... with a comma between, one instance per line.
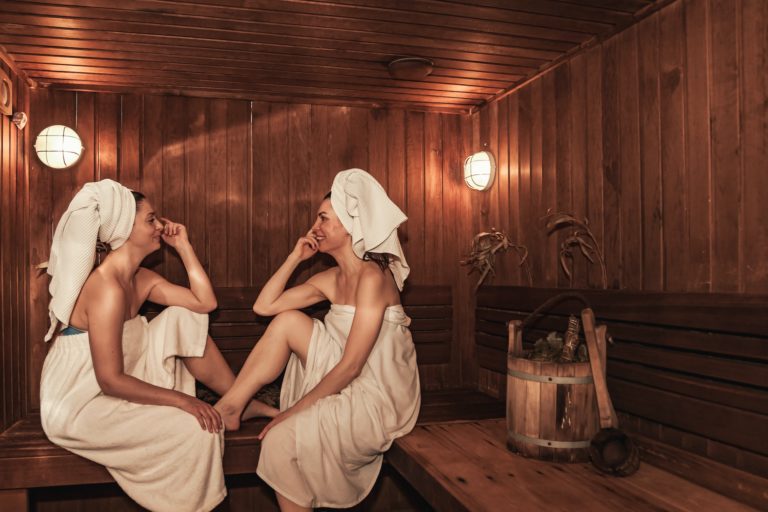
x=70, y=331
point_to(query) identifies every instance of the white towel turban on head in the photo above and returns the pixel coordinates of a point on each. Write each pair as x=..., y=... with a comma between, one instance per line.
x=370, y=216
x=105, y=209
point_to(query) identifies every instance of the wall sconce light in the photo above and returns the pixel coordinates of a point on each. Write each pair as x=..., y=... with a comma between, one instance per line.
x=58, y=146
x=479, y=170
x=19, y=119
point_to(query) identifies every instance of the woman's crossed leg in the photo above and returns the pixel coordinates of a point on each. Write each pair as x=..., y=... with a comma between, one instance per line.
x=289, y=332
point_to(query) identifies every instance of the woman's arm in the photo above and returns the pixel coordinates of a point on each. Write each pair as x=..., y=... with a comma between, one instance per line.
x=199, y=297
x=105, y=311
x=366, y=325
x=274, y=298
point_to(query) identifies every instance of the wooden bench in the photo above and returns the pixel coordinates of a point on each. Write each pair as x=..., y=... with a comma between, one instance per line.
x=465, y=466
x=28, y=460
x=688, y=375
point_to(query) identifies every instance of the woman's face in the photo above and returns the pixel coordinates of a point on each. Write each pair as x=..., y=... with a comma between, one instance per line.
x=328, y=229
x=146, y=228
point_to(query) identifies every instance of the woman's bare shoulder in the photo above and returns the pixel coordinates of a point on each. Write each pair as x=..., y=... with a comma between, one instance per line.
x=102, y=289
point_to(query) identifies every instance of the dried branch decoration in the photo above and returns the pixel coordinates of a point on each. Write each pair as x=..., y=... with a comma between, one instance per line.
x=580, y=237
x=482, y=255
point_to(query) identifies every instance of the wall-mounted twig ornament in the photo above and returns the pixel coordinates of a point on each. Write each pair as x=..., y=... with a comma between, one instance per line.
x=581, y=237
x=482, y=254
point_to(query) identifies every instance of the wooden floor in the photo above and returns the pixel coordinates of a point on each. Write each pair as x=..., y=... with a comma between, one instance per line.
x=466, y=466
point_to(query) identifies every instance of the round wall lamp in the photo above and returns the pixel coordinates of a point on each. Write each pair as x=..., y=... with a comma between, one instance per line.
x=410, y=68
x=58, y=146
x=479, y=170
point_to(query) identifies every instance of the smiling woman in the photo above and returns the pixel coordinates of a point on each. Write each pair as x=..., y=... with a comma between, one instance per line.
x=351, y=385
x=109, y=371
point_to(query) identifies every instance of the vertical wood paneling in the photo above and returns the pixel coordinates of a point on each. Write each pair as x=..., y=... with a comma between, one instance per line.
x=657, y=136
x=577, y=142
x=562, y=199
x=611, y=163
x=594, y=129
x=14, y=278
x=415, y=200
x=433, y=193
x=547, y=193
x=216, y=197
x=754, y=88
x=630, y=199
x=726, y=160
x=650, y=155
x=697, y=142
x=238, y=198
x=260, y=212
x=174, y=180
x=674, y=194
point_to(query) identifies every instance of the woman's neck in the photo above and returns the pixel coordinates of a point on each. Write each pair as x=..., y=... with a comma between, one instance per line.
x=349, y=263
x=123, y=262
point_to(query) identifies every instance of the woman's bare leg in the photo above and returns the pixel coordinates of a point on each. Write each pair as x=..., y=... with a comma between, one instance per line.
x=287, y=505
x=288, y=333
x=212, y=370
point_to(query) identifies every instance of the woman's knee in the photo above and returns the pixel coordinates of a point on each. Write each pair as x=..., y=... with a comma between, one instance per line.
x=296, y=328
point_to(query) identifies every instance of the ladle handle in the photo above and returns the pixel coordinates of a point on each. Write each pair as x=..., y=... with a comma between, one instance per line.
x=604, y=406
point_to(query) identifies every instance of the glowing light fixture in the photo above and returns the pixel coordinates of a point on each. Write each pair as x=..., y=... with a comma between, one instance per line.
x=479, y=170
x=58, y=146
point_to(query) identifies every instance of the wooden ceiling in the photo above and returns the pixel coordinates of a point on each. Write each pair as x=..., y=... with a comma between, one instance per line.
x=314, y=51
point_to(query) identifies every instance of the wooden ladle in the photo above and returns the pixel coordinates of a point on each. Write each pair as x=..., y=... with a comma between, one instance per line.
x=610, y=450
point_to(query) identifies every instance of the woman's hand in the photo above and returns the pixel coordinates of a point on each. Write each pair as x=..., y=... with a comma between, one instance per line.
x=306, y=246
x=174, y=234
x=206, y=415
x=275, y=422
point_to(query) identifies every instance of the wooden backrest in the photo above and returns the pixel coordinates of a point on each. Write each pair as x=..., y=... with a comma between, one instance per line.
x=235, y=327
x=687, y=369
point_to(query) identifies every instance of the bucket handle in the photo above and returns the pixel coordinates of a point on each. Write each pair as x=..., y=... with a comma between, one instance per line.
x=515, y=330
x=597, y=363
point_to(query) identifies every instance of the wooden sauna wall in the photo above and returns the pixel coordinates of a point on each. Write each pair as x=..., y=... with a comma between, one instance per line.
x=659, y=137
x=246, y=178
x=14, y=234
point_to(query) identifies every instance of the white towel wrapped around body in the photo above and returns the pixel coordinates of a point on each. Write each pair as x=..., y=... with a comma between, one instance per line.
x=158, y=455
x=370, y=217
x=330, y=454
x=103, y=209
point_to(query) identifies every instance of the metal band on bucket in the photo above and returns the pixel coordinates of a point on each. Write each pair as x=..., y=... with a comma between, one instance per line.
x=546, y=442
x=587, y=379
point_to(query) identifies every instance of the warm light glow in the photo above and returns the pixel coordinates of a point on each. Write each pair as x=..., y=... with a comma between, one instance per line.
x=479, y=170
x=58, y=146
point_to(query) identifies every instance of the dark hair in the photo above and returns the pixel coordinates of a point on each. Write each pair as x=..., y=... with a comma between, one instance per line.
x=382, y=259
x=327, y=196
x=139, y=197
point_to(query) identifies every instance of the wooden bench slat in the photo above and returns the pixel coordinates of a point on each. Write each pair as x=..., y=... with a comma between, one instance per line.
x=736, y=313
x=733, y=426
x=741, y=397
x=717, y=367
x=494, y=322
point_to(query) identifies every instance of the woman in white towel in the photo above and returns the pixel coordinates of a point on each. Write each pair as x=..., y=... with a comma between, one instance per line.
x=119, y=390
x=351, y=383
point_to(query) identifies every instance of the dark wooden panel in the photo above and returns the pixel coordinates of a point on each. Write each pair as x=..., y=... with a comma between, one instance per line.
x=14, y=256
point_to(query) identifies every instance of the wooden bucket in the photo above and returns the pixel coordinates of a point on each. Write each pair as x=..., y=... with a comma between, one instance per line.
x=551, y=408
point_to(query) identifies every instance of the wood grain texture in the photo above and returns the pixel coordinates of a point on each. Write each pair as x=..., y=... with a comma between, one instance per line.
x=657, y=136
x=14, y=256
x=466, y=466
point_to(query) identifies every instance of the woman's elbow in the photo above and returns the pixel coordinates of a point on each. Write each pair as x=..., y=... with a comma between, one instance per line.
x=209, y=305
x=108, y=385
x=262, y=310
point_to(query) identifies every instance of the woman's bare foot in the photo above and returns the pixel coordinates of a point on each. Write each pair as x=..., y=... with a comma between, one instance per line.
x=258, y=409
x=230, y=415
